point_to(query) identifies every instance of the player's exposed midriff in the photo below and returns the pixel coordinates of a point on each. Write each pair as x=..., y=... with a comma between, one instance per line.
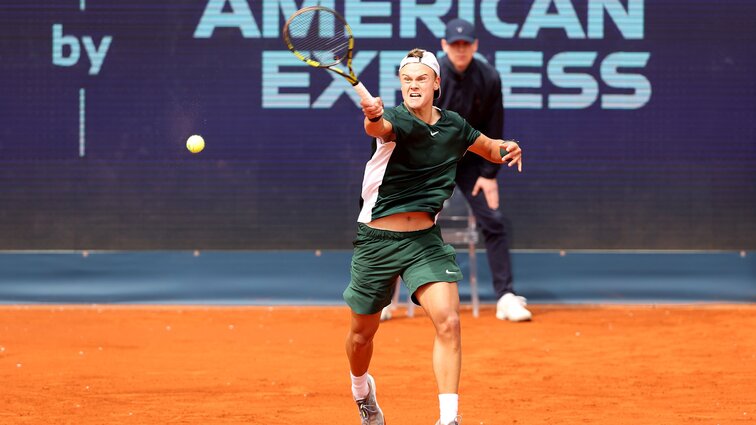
x=403, y=222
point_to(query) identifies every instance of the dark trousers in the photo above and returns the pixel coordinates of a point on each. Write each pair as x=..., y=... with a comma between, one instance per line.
x=495, y=228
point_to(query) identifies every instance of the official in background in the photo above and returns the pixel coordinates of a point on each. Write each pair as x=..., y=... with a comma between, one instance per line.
x=472, y=88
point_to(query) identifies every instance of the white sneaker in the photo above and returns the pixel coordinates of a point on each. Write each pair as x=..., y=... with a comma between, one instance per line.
x=512, y=307
x=370, y=412
x=386, y=313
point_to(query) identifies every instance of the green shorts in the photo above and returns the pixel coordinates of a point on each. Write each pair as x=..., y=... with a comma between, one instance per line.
x=380, y=256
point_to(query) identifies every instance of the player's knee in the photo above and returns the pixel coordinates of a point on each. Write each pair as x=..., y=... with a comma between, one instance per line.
x=358, y=340
x=448, y=327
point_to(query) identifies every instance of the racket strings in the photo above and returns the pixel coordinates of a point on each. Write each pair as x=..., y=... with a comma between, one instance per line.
x=307, y=38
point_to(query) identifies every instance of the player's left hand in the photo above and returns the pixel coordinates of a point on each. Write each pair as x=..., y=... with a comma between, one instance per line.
x=490, y=190
x=513, y=155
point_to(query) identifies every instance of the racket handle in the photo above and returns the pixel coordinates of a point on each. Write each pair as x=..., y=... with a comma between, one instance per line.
x=363, y=92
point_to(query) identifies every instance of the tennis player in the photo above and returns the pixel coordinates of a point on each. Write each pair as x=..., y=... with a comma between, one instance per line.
x=406, y=182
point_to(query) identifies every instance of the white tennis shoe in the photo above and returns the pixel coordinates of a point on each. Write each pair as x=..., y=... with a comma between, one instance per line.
x=370, y=412
x=512, y=307
x=386, y=313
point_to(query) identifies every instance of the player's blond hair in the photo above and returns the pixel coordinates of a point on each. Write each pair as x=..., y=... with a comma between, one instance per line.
x=416, y=53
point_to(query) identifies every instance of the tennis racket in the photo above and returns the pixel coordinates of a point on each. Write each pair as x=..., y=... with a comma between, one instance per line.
x=321, y=38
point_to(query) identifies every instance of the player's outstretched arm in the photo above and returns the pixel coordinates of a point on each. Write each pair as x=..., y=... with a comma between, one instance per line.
x=498, y=151
x=375, y=125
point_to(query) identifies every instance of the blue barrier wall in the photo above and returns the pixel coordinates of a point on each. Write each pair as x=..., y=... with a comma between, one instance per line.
x=319, y=278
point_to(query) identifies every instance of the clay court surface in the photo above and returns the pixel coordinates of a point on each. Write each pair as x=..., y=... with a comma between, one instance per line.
x=634, y=365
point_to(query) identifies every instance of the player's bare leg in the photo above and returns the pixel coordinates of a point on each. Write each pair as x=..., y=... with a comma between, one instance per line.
x=359, y=349
x=359, y=342
x=441, y=302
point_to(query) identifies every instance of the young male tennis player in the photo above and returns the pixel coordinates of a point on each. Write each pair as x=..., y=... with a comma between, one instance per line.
x=406, y=182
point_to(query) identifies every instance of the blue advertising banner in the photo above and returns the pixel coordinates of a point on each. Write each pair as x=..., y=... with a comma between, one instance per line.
x=636, y=120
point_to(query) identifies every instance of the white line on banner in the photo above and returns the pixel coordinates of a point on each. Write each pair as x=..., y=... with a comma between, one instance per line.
x=82, y=112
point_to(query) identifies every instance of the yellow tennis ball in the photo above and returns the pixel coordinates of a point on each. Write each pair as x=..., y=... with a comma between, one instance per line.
x=195, y=144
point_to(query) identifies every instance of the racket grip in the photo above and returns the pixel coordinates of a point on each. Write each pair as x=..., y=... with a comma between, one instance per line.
x=363, y=92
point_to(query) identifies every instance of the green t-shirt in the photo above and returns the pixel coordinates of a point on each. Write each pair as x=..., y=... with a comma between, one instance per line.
x=415, y=171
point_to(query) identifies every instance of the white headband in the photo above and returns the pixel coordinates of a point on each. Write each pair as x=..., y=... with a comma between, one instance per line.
x=428, y=59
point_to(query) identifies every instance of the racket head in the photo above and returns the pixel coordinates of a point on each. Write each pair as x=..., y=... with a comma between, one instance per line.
x=319, y=36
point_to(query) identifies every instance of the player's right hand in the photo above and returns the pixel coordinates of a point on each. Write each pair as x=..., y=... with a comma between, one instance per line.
x=372, y=109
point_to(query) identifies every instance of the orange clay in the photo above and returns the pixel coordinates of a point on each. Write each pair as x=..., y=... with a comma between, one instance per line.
x=634, y=365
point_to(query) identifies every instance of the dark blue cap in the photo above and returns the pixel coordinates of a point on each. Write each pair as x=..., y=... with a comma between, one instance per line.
x=459, y=29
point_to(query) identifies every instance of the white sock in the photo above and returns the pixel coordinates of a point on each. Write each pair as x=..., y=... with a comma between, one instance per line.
x=448, y=404
x=360, y=387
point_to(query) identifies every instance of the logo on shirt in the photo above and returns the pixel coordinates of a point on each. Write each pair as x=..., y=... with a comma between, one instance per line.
x=433, y=133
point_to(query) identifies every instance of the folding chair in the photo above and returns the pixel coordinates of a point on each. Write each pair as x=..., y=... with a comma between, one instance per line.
x=458, y=228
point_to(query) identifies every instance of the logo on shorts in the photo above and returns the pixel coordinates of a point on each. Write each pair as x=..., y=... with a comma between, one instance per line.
x=448, y=272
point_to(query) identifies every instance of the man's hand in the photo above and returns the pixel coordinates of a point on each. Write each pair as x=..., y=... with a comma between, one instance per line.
x=490, y=190
x=511, y=154
x=372, y=110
